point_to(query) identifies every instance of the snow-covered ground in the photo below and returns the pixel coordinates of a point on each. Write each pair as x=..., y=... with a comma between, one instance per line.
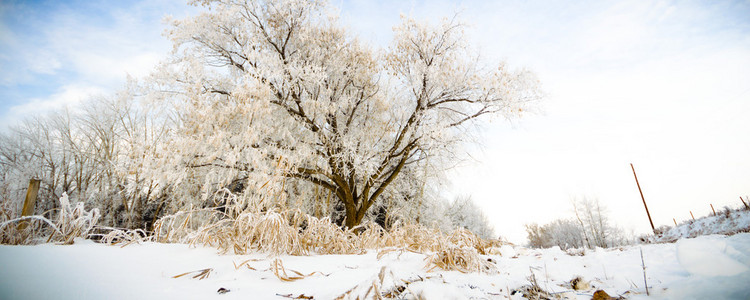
x=725, y=222
x=707, y=267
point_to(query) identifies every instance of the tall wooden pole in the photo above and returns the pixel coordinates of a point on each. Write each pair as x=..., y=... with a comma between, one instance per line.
x=644, y=199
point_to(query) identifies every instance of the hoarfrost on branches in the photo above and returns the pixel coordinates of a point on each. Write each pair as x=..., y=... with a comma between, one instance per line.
x=276, y=94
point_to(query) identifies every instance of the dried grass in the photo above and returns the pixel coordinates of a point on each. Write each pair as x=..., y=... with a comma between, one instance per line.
x=246, y=263
x=462, y=259
x=277, y=267
x=124, y=237
x=72, y=222
x=292, y=232
x=385, y=286
x=367, y=289
x=534, y=291
x=34, y=229
x=199, y=274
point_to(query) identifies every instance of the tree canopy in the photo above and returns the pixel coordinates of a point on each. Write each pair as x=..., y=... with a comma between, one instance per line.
x=280, y=88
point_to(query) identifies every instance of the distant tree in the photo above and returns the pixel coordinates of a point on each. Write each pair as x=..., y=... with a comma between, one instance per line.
x=590, y=228
x=535, y=235
x=563, y=233
x=466, y=214
x=269, y=92
x=594, y=222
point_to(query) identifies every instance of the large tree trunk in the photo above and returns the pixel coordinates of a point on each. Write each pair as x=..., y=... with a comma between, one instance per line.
x=355, y=218
x=356, y=210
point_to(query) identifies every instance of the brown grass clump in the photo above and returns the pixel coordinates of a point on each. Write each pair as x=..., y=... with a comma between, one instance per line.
x=274, y=235
x=460, y=259
x=415, y=237
x=181, y=226
x=323, y=237
x=373, y=237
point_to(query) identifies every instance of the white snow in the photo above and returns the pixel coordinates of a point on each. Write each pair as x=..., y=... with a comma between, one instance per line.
x=725, y=222
x=710, y=256
x=507, y=251
x=707, y=267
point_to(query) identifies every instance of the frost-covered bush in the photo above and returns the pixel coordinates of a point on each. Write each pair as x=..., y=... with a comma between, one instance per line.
x=73, y=221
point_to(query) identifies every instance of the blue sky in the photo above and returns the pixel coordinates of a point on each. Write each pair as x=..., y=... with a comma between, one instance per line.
x=54, y=53
x=662, y=84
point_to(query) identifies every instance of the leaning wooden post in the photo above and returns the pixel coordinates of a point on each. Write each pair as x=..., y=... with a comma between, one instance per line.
x=712, y=208
x=743, y=202
x=675, y=221
x=28, y=204
x=644, y=199
x=691, y=215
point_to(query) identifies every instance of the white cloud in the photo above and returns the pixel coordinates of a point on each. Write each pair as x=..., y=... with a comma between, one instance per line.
x=86, y=44
x=67, y=96
x=106, y=54
x=70, y=51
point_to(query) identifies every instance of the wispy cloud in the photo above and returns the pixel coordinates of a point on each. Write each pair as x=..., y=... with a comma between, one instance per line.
x=50, y=48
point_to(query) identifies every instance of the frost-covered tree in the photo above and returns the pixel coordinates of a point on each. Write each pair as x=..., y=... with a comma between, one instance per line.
x=595, y=224
x=50, y=148
x=96, y=154
x=564, y=233
x=269, y=92
x=590, y=228
x=466, y=214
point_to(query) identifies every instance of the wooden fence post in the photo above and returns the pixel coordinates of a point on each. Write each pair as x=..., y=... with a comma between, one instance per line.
x=644, y=199
x=743, y=202
x=691, y=215
x=28, y=204
x=712, y=208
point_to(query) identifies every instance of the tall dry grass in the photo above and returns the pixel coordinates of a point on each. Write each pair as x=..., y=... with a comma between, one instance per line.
x=293, y=232
x=72, y=221
x=274, y=231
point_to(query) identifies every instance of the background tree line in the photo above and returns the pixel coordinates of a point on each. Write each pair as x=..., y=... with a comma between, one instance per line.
x=589, y=229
